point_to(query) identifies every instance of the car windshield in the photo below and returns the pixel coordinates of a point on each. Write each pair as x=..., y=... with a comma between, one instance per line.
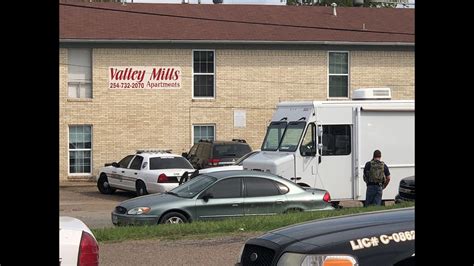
x=274, y=133
x=194, y=186
x=292, y=135
x=169, y=163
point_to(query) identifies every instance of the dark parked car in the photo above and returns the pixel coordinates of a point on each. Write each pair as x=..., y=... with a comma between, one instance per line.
x=406, y=189
x=222, y=194
x=208, y=153
x=376, y=238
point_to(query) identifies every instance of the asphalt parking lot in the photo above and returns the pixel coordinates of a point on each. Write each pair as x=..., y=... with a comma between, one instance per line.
x=83, y=201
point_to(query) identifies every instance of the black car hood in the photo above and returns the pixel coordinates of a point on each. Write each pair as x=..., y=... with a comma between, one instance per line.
x=408, y=181
x=331, y=231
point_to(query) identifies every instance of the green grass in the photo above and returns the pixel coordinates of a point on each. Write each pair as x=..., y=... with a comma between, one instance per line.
x=224, y=227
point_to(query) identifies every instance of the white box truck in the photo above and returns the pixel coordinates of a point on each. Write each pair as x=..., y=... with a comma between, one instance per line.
x=325, y=144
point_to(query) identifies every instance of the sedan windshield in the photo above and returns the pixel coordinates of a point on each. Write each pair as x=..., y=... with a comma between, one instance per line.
x=291, y=138
x=194, y=186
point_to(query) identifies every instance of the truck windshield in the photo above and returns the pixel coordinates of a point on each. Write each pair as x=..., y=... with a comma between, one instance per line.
x=292, y=136
x=274, y=133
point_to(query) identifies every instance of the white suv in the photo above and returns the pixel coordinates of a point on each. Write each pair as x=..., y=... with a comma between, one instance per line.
x=147, y=171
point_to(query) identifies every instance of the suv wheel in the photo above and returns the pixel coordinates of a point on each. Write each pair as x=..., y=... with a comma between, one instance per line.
x=141, y=188
x=104, y=186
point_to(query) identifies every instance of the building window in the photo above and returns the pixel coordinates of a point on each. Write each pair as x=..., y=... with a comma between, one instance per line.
x=80, y=73
x=203, y=74
x=338, y=75
x=80, y=149
x=203, y=132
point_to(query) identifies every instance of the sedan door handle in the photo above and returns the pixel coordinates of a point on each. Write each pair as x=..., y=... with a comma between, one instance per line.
x=123, y=172
x=235, y=205
x=280, y=202
x=135, y=173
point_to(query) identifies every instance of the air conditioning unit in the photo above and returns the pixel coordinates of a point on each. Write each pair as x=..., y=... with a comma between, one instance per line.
x=372, y=94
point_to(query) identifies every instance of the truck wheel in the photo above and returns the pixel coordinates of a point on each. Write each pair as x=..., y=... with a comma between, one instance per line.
x=104, y=186
x=173, y=218
x=141, y=188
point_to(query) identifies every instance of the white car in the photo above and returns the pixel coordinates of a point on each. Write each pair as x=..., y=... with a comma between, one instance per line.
x=147, y=171
x=77, y=244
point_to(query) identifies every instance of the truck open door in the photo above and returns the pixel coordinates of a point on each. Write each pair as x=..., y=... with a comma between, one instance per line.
x=334, y=171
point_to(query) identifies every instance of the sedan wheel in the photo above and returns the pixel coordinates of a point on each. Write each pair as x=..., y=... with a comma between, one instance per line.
x=173, y=218
x=104, y=186
x=141, y=188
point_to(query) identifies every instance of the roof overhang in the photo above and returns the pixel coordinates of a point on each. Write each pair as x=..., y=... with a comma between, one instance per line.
x=115, y=41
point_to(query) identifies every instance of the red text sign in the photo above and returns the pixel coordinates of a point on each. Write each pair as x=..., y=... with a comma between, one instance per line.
x=144, y=77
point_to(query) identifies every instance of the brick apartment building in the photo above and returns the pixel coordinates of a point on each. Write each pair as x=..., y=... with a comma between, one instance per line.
x=165, y=75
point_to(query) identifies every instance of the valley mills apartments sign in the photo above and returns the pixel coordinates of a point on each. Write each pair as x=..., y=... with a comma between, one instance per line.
x=144, y=77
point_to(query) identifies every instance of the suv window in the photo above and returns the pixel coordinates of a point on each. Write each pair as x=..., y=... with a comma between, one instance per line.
x=169, y=163
x=136, y=163
x=205, y=152
x=193, y=150
x=199, y=149
x=125, y=161
x=230, y=150
x=260, y=187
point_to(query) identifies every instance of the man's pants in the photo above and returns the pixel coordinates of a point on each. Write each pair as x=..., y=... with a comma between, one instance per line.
x=373, y=195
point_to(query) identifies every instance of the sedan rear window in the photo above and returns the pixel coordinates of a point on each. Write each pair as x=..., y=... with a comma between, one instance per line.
x=169, y=163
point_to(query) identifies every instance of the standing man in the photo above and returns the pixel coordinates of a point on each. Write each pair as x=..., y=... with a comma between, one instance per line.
x=377, y=177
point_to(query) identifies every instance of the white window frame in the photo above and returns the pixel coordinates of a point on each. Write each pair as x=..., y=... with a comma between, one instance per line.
x=348, y=76
x=213, y=73
x=201, y=125
x=68, y=150
x=80, y=83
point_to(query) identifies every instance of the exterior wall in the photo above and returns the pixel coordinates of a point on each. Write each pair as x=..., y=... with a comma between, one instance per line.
x=251, y=80
x=395, y=70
